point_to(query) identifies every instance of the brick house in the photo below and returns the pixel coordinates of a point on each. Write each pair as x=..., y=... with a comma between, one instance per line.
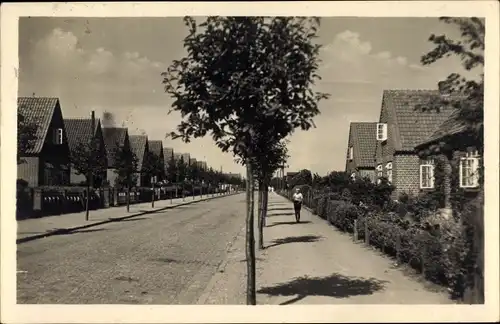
x=156, y=148
x=114, y=138
x=79, y=131
x=457, y=154
x=403, y=125
x=47, y=161
x=140, y=146
x=360, y=162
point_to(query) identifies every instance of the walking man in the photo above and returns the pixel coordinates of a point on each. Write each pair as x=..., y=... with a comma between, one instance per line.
x=297, y=203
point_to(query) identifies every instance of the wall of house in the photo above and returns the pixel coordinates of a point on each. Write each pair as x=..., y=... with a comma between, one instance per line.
x=405, y=174
x=76, y=178
x=111, y=176
x=29, y=171
x=384, y=151
x=367, y=173
x=57, y=155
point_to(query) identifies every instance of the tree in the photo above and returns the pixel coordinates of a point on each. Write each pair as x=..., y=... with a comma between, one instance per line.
x=172, y=171
x=153, y=166
x=304, y=177
x=469, y=101
x=26, y=136
x=242, y=75
x=126, y=168
x=271, y=157
x=469, y=97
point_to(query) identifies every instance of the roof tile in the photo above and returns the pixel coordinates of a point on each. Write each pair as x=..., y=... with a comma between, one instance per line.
x=78, y=130
x=364, y=141
x=138, y=146
x=39, y=111
x=114, y=137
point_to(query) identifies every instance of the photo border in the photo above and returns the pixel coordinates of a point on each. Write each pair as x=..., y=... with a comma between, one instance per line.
x=13, y=313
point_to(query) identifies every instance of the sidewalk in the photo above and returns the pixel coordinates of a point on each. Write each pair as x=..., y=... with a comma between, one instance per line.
x=313, y=263
x=30, y=229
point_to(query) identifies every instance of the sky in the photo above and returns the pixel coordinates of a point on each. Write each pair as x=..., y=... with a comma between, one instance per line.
x=115, y=65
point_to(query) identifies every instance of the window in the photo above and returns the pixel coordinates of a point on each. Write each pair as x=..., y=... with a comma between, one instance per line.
x=351, y=153
x=388, y=167
x=427, y=176
x=379, y=172
x=353, y=176
x=58, y=136
x=381, y=132
x=469, y=171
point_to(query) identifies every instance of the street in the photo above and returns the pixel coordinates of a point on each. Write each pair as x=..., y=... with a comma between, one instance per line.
x=167, y=257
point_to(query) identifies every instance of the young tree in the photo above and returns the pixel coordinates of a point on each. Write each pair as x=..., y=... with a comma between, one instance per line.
x=26, y=136
x=87, y=160
x=242, y=74
x=153, y=166
x=126, y=168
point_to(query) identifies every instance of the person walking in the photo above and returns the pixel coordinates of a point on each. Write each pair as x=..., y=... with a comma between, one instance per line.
x=297, y=203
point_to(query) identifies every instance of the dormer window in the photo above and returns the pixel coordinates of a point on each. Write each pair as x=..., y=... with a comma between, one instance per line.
x=58, y=136
x=351, y=153
x=381, y=131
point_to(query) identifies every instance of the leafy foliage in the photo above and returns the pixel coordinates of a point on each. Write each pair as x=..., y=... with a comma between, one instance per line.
x=126, y=167
x=304, y=177
x=87, y=159
x=26, y=136
x=246, y=81
x=470, y=93
x=153, y=166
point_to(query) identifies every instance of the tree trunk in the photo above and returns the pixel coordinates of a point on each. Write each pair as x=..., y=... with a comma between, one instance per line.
x=128, y=198
x=259, y=216
x=266, y=200
x=250, y=239
x=87, y=202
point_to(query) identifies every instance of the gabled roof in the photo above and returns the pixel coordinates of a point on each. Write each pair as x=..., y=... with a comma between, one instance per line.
x=38, y=111
x=156, y=147
x=78, y=130
x=449, y=127
x=114, y=137
x=412, y=125
x=362, y=137
x=177, y=156
x=168, y=153
x=138, y=146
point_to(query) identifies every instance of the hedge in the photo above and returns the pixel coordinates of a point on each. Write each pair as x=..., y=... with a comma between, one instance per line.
x=442, y=254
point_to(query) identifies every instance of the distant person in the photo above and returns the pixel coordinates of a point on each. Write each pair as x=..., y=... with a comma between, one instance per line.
x=297, y=203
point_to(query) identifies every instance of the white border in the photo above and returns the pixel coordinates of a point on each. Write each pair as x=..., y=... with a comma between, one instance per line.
x=12, y=313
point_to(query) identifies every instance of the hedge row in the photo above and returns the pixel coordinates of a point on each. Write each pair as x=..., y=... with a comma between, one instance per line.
x=442, y=254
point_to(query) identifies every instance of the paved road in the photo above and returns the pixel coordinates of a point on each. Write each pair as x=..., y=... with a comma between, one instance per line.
x=163, y=258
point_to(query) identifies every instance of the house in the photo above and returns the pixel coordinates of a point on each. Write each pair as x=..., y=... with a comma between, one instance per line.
x=114, y=138
x=79, y=131
x=139, y=145
x=192, y=161
x=202, y=165
x=361, y=145
x=156, y=148
x=168, y=155
x=177, y=156
x=402, y=125
x=47, y=161
x=454, y=152
x=186, y=157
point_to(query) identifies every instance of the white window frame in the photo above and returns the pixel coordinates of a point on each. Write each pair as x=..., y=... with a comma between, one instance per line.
x=351, y=153
x=388, y=168
x=430, y=171
x=379, y=172
x=381, y=131
x=58, y=136
x=473, y=157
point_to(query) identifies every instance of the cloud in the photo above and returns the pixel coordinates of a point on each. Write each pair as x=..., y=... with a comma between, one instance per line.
x=355, y=76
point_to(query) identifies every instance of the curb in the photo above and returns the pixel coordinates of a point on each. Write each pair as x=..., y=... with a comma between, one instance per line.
x=110, y=220
x=220, y=269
